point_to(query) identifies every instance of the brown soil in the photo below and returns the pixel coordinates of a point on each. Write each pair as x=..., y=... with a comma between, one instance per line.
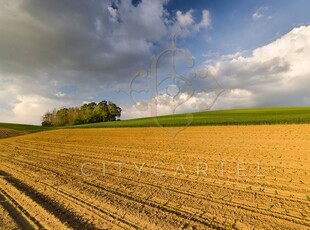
x=5, y=132
x=228, y=177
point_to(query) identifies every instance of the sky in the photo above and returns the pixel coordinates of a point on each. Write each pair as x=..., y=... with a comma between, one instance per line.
x=152, y=57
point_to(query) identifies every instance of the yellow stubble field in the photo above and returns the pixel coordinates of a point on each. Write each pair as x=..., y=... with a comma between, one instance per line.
x=216, y=177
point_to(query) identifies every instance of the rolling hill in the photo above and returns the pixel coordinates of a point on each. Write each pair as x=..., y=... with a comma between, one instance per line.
x=256, y=116
x=253, y=116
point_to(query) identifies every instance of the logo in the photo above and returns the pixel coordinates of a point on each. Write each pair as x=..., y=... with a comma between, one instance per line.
x=174, y=89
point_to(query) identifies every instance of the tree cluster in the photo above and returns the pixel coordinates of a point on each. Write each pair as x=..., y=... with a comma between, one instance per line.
x=87, y=113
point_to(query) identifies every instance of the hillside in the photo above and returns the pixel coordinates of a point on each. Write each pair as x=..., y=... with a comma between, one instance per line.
x=12, y=130
x=5, y=132
x=256, y=116
x=24, y=127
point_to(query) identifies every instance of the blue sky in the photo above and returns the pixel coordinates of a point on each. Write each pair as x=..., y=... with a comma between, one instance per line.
x=65, y=53
x=234, y=28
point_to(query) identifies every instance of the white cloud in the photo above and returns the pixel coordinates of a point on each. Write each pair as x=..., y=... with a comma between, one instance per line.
x=60, y=94
x=187, y=26
x=180, y=97
x=21, y=108
x=185, y=19
x=113, y=12
x=274, y=75
x=277, y=74
x=257, y=15
x=31, y=104
x=206, y=19
x=261, y=13
x=165, y=104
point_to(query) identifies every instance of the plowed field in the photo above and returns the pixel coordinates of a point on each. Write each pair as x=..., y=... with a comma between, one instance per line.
x=227, y=177
x=5, y=132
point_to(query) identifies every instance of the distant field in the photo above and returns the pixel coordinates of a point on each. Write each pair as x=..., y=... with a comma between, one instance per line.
x=258, y=116
x=24, y=128
x=283, y=115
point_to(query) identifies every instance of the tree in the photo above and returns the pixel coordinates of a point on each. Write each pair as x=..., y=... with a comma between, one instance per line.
x=87, y=113
x=73, y=115
x=114, y=111
x=62, y=117
x=98, y=111
x=47, y=119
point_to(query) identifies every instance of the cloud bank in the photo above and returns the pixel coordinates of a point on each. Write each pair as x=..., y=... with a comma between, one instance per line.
x=276, y=74
x=59, y=53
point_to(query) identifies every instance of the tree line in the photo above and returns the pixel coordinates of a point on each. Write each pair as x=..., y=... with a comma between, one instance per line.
x=87, y=113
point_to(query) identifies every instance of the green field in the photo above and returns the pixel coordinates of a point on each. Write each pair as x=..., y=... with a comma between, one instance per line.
x=25, y=128
x=258, y=116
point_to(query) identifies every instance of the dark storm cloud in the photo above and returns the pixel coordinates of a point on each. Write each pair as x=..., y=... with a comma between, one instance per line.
x=77, y=40
x=92, y=46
